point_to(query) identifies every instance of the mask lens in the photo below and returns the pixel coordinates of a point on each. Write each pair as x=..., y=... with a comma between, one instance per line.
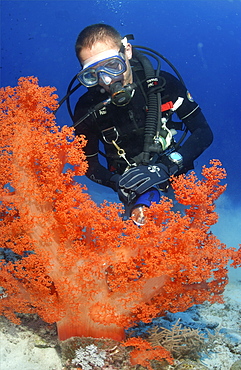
x=88, y=77
x=114, y=66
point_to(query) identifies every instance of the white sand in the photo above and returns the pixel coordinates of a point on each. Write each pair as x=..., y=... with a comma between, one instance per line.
x=22, y=349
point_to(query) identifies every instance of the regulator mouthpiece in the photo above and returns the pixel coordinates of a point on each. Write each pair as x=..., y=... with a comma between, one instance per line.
x=120, y=95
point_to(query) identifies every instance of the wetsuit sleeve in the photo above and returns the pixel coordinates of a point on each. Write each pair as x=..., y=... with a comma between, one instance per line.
x=200, y=134
x=96, y=171
x=200, y=139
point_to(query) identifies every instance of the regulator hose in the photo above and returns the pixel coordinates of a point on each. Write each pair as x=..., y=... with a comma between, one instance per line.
x=153, y=102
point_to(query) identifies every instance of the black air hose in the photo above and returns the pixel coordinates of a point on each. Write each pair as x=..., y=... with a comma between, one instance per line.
x=153, y=107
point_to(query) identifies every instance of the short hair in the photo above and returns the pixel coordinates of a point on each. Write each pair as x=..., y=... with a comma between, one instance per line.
x=94, y=33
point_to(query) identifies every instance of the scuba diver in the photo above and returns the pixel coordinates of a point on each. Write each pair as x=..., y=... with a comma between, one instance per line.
x=128, y=108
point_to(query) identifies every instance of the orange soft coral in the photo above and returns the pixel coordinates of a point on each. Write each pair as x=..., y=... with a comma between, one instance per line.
x=143, y=352
x=80, y=265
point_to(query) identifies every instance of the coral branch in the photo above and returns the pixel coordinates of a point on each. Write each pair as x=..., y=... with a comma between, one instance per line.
x=143, y=352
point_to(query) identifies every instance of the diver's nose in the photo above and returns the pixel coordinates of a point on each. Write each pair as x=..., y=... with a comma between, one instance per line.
x=105, y=78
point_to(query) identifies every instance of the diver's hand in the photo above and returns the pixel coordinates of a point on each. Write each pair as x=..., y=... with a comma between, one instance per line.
x=126, y=197
x=139, y=179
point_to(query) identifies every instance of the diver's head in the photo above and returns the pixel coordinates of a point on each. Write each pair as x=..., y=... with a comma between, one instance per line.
x=104, y=57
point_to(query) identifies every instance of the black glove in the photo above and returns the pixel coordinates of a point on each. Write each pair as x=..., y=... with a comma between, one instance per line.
x=114, y=184
x=114, y=181
x=139, y=179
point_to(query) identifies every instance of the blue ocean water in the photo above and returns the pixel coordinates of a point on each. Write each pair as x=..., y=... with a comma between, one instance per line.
x=200, y=37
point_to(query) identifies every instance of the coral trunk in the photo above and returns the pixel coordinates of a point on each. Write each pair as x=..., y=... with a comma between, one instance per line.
x=87, y=328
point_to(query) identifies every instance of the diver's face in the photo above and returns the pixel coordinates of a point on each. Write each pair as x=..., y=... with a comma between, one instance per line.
x=100, y=47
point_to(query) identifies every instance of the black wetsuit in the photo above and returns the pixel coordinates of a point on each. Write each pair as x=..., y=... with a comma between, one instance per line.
x=126, y=124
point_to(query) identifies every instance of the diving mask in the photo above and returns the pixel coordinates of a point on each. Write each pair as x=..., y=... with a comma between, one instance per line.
x=108, y=68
